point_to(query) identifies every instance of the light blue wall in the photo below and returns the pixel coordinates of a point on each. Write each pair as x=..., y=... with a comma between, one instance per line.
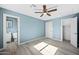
x=29, y=27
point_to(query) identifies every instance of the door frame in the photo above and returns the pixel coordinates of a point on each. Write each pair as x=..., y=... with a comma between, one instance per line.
x=62, y=28
x=4, y=27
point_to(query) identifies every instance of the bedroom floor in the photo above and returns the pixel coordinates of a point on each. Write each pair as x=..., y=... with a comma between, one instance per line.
x=46, y=46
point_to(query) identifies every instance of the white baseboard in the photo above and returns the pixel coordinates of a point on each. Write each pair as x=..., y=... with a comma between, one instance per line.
x=56, y=39
x=2, y=49
x=31, y=40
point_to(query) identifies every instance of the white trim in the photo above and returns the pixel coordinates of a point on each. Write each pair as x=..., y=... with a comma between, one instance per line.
x=56, y=39
x=18, y=30
x=61, y=30
x=4, y=28
x=32, y=40
x=1, y=49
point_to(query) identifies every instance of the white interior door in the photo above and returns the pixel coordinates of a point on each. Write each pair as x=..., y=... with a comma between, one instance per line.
x=74, y=32
x=49, y=29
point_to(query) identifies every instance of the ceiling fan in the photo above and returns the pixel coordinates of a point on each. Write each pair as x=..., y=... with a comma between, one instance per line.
x=46, y=11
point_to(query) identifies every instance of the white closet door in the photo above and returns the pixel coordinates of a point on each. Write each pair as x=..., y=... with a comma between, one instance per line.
x=49, y=29
x=74, y=32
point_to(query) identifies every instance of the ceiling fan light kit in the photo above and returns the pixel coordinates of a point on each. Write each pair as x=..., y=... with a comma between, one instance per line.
x=46, y=11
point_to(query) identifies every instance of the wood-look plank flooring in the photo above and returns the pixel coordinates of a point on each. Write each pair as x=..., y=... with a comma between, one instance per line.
x=64, y=48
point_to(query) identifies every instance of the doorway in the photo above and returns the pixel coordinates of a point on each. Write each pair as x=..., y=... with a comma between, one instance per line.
x=67, y=33
x=11, y=29
x=69, y=30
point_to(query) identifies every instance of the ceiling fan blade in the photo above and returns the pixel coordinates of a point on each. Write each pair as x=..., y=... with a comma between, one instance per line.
x=41, y=15
x=52, y=10
x=53, y=7
x=48, y=14
x=38, y=12
x=44, y=7
x=37, y=9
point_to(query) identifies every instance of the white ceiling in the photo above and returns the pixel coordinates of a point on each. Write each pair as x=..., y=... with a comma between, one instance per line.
x=29, y=9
